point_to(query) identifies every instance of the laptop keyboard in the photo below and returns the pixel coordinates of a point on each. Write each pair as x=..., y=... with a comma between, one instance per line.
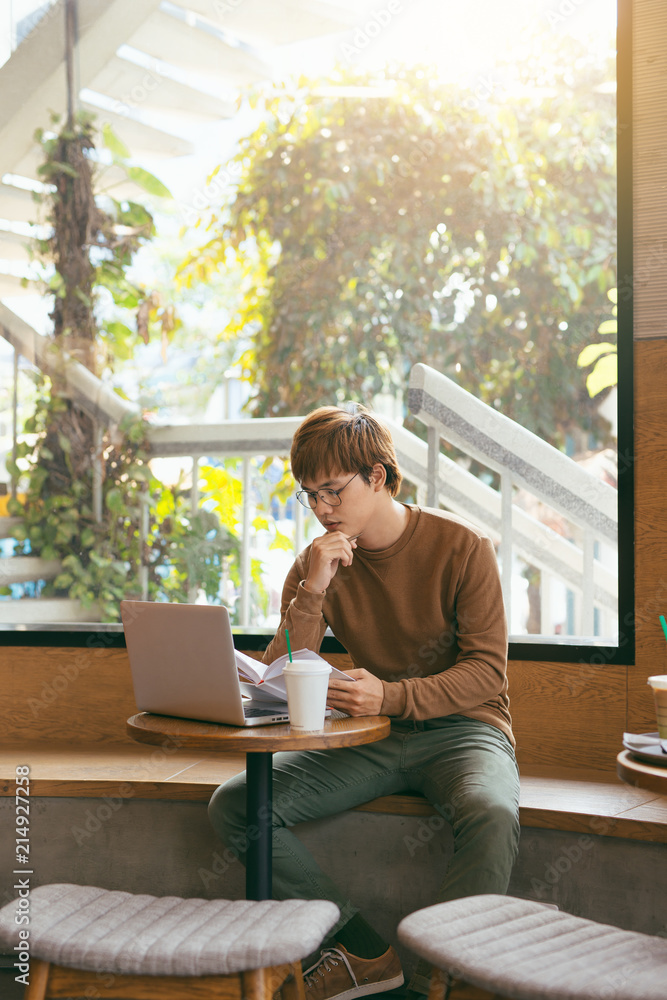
x=254, y=713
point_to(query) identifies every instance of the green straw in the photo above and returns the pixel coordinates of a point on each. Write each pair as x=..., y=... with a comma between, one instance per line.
x=289, y=648
x=664, y=625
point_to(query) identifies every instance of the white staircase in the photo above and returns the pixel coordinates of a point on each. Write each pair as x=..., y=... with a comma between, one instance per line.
x=450, y=413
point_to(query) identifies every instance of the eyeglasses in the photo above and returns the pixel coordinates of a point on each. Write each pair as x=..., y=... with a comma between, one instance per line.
x=330, y=497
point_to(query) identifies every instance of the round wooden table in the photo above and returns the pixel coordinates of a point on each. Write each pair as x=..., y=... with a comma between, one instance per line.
x=259, y=743
x=640, y=773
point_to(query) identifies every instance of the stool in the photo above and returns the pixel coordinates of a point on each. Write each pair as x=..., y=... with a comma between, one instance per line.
x=517, y=948
x=102, y=943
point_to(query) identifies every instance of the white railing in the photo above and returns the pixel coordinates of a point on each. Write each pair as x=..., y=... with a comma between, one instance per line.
x=519, y=457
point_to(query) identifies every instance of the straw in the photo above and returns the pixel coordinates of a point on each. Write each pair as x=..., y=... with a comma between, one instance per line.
x=289, y=648
x=664, y=625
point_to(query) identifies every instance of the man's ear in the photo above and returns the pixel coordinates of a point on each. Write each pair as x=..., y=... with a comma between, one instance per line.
x=378, y=476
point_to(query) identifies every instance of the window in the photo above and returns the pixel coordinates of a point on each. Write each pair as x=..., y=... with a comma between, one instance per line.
x=421, y=214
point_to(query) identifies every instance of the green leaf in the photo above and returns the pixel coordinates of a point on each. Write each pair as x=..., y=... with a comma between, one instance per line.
x=282, y=542
x=99, y=560
x=138, y=216
x=119, y=330
x=87, y=538
x=74, y=563
x=609, y=326
x=603, y=376
x=592, y=352
x=55, y=167
x=149, y=182
x=114, y=500
x=113, y=143
x=14, y=508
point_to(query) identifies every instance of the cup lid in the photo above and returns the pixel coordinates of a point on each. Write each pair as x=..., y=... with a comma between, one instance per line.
x=307, y=666
x=658, y=681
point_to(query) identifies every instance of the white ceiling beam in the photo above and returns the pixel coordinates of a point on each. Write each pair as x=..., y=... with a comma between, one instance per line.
x=32, y=82
x=134, y=86
x=17, y=205
x=14, y=247
x=265, y=22
x=193, y=50
x=10, y=285
x=140, y=138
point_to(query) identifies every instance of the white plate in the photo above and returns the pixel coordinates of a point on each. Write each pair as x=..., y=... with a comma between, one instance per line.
x=646, y=746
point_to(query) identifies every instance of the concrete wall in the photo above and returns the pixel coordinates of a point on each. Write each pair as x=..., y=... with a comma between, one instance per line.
x=389, y=865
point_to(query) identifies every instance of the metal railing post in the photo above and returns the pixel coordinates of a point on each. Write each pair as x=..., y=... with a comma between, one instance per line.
x=15, y=421
x=244, y=605
x=505, y=548
x=98, y=474
x=194, y=507
x=545, y=601
x=587, y=612
x=143, y=539
x=299, y=534
x=433, y=440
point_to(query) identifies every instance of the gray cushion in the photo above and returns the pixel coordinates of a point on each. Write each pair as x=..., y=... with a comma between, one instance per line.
x=522, y=949
x=84, y=927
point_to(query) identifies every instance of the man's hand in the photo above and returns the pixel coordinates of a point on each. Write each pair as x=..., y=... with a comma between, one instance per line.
x=326, y=552
x=364, y=697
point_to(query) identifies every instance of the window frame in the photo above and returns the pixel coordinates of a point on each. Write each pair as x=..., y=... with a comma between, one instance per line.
x=563, y=649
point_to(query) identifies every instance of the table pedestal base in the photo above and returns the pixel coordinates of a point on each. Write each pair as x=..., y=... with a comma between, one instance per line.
x=259, y=812
x=259, y=744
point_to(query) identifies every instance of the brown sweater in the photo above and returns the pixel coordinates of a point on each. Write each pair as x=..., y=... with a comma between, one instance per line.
x=426, y=616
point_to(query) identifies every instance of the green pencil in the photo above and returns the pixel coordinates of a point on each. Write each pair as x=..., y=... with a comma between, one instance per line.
x=289, y=648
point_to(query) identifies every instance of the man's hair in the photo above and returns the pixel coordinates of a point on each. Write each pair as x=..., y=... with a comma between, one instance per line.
x=331, y=439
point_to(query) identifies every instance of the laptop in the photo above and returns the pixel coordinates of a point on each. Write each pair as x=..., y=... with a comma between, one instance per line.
x=183, y=664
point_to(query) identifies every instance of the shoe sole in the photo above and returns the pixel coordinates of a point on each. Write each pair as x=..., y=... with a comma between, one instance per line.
x=369, y=988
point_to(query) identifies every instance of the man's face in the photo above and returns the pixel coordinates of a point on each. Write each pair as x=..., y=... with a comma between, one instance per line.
x=345, y=502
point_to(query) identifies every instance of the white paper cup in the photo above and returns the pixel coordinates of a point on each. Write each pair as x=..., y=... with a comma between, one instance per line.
x=659, y=686
x=307, y=682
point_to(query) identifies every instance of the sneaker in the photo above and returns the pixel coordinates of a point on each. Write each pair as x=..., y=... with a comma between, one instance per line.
x=338, y=975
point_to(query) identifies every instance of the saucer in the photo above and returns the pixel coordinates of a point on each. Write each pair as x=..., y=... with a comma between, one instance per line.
x=645, y=746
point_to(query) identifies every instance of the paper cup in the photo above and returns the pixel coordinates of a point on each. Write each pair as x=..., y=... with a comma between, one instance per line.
x=307, y=682
x=659, y=686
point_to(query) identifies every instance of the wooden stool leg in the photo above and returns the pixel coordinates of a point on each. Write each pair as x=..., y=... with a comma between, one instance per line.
x=261, y=984
x=292, y=988
x=439, y=988
x=39, y=976
x=465, y=991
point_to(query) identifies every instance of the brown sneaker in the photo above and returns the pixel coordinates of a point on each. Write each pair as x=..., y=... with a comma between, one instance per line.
x=338, y=975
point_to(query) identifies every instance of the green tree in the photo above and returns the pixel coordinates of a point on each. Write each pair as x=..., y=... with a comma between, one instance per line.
x=407, y=226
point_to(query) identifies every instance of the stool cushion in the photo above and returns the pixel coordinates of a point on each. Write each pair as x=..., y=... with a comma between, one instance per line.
x=522, y=949
x=84, y=927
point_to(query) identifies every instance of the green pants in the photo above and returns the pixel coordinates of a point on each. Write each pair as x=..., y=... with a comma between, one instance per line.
x=465, y=768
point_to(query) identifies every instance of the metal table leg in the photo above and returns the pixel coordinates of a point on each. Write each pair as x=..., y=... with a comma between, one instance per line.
x=259, y=779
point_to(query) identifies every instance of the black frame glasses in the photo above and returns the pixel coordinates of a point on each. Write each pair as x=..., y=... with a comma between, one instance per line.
x=330, y=497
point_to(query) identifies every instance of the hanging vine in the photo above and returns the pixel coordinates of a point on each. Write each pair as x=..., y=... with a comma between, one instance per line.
x=89, y=488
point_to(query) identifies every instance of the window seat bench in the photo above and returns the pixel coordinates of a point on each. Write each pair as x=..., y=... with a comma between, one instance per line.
x=552, y=798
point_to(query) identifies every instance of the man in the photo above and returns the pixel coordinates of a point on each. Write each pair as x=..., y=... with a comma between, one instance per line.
x=414, y=596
